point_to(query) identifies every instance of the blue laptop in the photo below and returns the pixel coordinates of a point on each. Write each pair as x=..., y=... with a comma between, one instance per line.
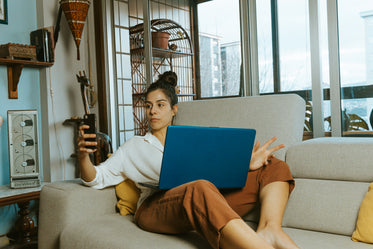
x=219, y=155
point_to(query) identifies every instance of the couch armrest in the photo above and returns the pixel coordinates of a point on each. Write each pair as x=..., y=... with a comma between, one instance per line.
x=63, y=203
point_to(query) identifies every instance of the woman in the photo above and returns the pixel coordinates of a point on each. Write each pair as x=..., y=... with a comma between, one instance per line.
x=197, y=205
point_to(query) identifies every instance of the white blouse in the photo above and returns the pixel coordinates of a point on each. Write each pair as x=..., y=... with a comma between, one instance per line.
x=138, y=159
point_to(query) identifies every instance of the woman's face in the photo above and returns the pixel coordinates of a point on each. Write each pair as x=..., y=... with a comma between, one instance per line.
x=158, y=110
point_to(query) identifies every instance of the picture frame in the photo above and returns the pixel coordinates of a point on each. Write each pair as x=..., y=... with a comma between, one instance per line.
x=3, y=11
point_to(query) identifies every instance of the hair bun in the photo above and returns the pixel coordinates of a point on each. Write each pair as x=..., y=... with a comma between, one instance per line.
x=169, y=77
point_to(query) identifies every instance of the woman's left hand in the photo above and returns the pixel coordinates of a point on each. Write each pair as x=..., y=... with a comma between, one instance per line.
x=262, y=155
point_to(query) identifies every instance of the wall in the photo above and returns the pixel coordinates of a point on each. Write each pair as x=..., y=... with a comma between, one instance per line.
x=53, y=91
x=17, y=31
x=60, y=92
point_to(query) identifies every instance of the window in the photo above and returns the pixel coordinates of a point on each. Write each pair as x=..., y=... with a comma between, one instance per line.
x=123, y=68
x=291, y=38
x=284, y=57
x=285, y=39
x=219, y=48
x=125, y=81
x=355, y=22
x=284, y=61
x=294, y=50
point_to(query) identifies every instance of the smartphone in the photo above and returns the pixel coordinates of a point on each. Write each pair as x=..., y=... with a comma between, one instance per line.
x=90, y=120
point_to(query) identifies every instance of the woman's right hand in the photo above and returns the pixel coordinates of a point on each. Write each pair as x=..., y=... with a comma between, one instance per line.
x=262, y=155
x=83, y=143
x=87, y=169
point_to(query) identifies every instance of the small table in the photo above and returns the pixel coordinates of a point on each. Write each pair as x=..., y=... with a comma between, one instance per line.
x=22, y=197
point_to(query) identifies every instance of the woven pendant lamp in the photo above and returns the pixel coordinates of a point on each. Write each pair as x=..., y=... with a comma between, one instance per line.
x=75, y=12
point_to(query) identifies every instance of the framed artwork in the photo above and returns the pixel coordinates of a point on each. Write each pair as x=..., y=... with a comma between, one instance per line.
x=3, y=11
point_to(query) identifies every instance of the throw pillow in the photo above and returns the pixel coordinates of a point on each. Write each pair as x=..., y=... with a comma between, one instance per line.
x=364, y=224
x=128, y=195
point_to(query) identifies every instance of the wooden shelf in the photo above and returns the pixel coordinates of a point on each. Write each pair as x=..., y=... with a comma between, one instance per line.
x=161, y=53
x=14, y=68
x=143, y=95
x=27, y=63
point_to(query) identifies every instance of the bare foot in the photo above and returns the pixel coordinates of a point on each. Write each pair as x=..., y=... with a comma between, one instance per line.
x=277, y=238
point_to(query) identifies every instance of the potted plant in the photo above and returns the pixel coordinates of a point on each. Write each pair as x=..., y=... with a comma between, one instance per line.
x=160, y=39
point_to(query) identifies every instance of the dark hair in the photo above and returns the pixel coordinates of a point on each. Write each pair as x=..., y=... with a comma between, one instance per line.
x=167, y=83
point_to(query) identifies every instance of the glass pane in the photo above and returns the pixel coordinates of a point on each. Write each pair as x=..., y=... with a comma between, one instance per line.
x=355, y=21
x=219, y=47
x=295, y=64
x=264, y=34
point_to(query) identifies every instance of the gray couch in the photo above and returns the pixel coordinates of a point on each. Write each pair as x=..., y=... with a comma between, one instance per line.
x=332, y=176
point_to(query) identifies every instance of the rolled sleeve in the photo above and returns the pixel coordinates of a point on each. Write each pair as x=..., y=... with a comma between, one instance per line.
x=92, y=183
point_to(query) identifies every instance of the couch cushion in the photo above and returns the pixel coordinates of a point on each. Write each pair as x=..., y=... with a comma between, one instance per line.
x=120, y=232
x=275, y=115
x=324, y=205
x=364, y=224
x=318, y=240
x=344, y=158
x=128, y=195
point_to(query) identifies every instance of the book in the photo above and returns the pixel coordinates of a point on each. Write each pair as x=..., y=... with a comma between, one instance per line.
x=52, y=43
x=41, y=38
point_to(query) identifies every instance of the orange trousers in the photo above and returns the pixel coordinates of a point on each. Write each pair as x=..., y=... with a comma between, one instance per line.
x=200, y=206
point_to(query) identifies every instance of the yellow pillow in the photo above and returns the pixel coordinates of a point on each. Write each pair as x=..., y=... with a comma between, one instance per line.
x=364, y=224
x=128, y=195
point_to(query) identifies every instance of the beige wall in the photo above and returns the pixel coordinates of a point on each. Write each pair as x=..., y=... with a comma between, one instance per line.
x=60, y=93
